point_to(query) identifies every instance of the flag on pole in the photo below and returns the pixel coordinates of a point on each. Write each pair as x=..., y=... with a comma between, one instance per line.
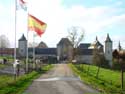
x=34, y=24
x=23, y=4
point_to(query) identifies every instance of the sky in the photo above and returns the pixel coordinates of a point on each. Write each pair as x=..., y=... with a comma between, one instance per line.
x=95, y=17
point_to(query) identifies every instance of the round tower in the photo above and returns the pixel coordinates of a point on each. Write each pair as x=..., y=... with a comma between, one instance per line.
x=108, y=49
x=22, y=46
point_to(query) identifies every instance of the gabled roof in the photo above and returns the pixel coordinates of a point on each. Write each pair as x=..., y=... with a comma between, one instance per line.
x=96, y=44
x=65, y=41
x=23, y=38
x=42, y=45
x=108, y=39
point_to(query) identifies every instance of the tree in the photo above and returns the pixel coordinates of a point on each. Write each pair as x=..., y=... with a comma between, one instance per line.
x=99, y=60
x=122, y=63
x=120, y=58
x=116, y=65
x=4, y=42
x=75, y=35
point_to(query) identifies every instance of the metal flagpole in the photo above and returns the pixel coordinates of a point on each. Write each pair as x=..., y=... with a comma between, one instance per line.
x=27, y=54
x=15, y=28
x=15, y=39
x=34, y=48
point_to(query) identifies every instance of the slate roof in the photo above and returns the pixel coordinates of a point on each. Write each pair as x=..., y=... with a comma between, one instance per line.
x=42, y=45
x=84, y=45
x=23, y=38
x=65, y=41
x=108, y=38
x=44, y=51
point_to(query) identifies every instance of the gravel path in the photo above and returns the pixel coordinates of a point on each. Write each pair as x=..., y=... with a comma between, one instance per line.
x=60, y=80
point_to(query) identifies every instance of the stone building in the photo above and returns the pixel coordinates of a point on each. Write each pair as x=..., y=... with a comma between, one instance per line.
x=64, y=50
x=85, y=51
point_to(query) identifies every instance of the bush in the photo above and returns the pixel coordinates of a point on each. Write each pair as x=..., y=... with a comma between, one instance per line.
x=116, y=65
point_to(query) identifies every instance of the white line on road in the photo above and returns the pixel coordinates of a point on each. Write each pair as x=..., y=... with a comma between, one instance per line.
x=58, y=79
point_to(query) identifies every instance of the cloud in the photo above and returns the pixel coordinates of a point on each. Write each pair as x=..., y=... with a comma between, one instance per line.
x=59, y=18
x=119, y=3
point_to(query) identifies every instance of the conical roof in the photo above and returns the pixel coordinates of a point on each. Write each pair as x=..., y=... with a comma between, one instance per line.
x=108, y=38
x=23, y=38
x=119, y=46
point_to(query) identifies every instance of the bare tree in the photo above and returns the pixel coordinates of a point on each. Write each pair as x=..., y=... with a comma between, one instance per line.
x=4, y=42
x=75, y=35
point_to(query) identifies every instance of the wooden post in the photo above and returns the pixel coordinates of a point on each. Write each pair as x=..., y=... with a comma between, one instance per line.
x=122, y=79
x=122, y=71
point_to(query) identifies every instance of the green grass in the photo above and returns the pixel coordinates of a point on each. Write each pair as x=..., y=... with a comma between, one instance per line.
x=11, y=59
x=108, y=80
x=2, y=66
x=9, y=86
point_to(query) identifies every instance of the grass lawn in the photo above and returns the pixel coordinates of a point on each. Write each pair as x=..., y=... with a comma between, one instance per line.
x=2, y=66
x=108, y=81
x=9, y=86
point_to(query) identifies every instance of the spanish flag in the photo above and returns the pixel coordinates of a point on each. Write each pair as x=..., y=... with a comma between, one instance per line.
x=36, y=25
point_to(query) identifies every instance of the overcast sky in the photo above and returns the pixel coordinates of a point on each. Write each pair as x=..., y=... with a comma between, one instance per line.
x=96, y=17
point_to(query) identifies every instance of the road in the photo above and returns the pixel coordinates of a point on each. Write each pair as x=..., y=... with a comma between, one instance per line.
x=60, y=80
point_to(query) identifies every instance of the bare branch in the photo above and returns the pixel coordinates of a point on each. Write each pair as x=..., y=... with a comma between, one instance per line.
x=76, y=35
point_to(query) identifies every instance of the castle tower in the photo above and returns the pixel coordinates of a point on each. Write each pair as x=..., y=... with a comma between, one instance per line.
x=108, y=50
x=22, y=45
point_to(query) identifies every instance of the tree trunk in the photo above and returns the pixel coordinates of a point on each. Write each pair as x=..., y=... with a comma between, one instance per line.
x=88, y=69
x=97, y=74
x=122, y=78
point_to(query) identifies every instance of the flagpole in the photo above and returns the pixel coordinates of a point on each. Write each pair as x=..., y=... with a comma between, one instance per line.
x=15, y=29
x=27, y=54
x=34, y=48
x=15, y=39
